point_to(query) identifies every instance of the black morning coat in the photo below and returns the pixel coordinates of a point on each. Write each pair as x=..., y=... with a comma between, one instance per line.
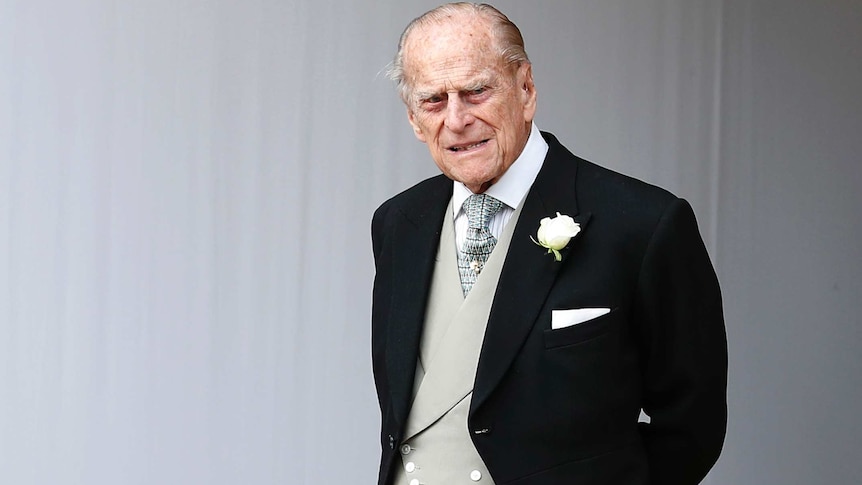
x=561, y=406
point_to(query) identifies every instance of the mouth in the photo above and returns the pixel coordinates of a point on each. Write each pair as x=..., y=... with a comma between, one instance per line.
x=467, y=147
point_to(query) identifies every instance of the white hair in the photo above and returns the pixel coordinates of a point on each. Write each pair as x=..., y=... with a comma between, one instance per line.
x=508, y=39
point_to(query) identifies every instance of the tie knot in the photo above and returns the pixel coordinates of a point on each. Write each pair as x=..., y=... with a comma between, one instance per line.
x=480, y=208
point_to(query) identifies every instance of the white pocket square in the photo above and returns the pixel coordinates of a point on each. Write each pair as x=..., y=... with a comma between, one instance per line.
x=567, y=318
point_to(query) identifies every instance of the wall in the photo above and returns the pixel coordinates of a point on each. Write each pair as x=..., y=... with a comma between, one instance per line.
x=186, y=187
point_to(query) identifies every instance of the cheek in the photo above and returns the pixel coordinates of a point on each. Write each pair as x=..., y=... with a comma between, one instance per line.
x=430, y=127
x=504, y=119
x=514, y=124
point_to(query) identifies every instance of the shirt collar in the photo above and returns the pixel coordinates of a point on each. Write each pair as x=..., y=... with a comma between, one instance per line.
x=516, y=181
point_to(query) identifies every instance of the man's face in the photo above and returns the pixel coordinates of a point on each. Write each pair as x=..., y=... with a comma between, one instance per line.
x=472, y=110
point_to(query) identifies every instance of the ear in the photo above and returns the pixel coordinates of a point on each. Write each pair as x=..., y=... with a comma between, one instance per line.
x=417, y=130
x=528, y=91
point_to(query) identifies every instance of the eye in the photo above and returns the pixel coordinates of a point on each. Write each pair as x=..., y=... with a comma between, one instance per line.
x=432, y=102
x=476, y=95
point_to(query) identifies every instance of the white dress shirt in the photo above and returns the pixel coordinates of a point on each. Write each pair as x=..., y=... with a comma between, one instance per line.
x=511, y=189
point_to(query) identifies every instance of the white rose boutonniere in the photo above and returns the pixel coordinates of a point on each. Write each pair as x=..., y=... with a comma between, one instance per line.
x=555, y=233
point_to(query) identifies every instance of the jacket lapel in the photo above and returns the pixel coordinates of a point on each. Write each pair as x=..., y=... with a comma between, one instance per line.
x=529, y=271
x=416, y=229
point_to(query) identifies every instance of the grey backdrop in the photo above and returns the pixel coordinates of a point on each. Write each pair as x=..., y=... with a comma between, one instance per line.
x=186, y=188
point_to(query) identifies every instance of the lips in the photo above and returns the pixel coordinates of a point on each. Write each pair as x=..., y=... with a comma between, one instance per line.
x=466, y=147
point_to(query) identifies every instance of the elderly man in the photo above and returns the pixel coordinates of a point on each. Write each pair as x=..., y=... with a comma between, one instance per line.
x=512, y=354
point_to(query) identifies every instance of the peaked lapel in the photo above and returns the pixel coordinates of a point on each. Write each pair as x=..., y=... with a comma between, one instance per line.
x=416, y=228
x=529, y=271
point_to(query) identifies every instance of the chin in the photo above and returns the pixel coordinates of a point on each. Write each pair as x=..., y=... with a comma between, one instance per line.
x=475, y=170
x=476, y=181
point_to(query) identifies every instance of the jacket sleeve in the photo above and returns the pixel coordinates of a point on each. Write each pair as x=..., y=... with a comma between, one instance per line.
x=683, y=351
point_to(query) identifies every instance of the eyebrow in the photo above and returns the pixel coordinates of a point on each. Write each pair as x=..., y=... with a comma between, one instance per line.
x=479, y=83
x=482, y=80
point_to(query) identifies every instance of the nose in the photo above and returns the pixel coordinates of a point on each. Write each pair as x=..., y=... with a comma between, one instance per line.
x=458, y=114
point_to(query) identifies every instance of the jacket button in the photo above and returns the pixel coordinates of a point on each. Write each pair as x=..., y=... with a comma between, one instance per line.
x=406, y=449
x=475, y=475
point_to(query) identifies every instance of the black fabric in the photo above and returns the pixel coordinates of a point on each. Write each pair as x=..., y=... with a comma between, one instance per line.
x=561, y=406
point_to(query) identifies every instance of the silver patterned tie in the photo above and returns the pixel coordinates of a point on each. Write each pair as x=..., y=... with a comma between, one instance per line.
x=479, y=243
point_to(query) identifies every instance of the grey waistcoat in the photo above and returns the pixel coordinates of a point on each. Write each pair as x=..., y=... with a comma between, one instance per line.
x=437, y=449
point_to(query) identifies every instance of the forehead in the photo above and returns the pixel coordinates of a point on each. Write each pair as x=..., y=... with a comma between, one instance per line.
x=448, y=54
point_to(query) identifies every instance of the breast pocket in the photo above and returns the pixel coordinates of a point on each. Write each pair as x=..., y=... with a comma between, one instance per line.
x=582, y=332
